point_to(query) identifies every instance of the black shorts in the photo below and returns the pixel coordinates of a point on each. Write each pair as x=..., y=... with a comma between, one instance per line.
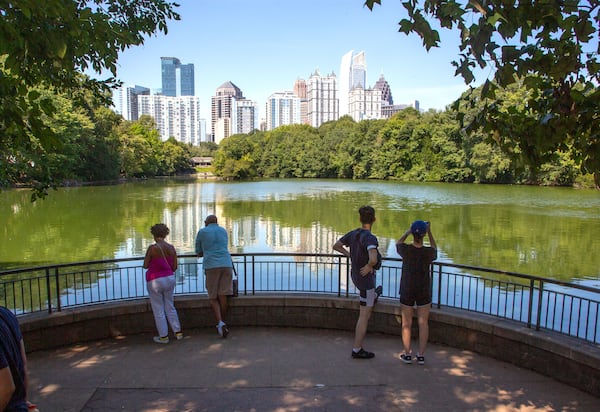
x=412, y=299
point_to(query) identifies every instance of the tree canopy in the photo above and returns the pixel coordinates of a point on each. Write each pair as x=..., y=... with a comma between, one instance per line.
x=549, y=47
x=410, y=146
x=49, y=44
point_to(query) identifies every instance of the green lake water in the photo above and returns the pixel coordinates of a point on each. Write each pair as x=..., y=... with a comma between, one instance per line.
x=549, y=232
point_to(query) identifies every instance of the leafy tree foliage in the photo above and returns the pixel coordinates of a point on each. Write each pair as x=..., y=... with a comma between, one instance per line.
x=411, y=146
x=204, y=149
x=48, y=44
x=550, y=47
x=143, y=154
x=236, y=156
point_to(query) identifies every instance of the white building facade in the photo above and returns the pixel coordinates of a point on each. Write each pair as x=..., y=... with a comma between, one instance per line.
x=364, y=104
x=244, y=116
x=177, y=117
x=282, y=108
x=322, y=97
x=126, y=101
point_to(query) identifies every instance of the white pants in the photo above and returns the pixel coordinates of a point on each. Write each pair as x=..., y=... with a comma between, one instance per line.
x=161, y=298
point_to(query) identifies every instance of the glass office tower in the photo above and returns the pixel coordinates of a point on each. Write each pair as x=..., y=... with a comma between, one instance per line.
x=169, y=66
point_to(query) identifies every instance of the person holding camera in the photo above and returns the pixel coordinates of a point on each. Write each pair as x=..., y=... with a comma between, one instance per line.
x=415, y=286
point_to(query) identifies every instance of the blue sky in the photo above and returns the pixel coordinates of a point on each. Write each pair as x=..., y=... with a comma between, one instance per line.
x=263, y=46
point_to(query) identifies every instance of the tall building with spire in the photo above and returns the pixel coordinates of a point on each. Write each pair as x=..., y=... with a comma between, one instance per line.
x=386, y=91
x=322, y=96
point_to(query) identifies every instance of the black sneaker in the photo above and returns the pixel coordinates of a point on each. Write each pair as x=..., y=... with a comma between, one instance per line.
x=406, y=358
x=362, y=354
x=421, y=360
x=378, y=291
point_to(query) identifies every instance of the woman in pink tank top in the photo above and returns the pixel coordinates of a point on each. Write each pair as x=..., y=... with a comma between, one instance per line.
x=161, y=262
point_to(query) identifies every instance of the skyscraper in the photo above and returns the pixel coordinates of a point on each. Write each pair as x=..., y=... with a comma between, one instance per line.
x=300, y=91
x=364, y=104
x=283, y=108
x=244, y=116
x=386, y=91
x=359, y=71
x=169, y=66
x=187, y=79
x=172, y=70
x=353, y=73
x=222, y=110
x=175, y=116
x=323, y=104
x=126, y=101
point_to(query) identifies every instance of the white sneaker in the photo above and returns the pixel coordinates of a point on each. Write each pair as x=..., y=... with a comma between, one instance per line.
x=163, y=340
x=223, y=331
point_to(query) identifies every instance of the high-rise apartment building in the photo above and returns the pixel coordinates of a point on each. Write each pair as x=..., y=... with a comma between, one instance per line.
x=177, y=78
x=222, y=110
x=321, y=93
x=282, y=108
x=244, y=116
x=300, y=92
x=353, y=73
x=177, y=117
x=126, y=101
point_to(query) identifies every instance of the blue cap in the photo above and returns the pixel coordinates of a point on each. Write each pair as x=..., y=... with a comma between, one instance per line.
x=419, y=227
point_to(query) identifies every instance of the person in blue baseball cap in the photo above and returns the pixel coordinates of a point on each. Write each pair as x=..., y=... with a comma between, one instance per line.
x=415, y=285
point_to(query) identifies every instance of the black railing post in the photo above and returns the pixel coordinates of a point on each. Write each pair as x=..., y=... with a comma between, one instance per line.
x=253, y=275
x=539, y=309
x=48, y=290
x=58, y=304
x=439, y=304
x=348, y=269
x=245, y=274
x=530, y=310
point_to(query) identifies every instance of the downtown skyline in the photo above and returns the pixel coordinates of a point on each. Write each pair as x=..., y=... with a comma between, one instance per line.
x=267, y=45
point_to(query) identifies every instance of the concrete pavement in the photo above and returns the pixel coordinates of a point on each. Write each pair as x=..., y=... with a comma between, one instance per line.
x=284, y=369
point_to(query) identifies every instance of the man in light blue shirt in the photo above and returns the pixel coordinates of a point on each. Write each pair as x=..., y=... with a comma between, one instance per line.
x=212, y=245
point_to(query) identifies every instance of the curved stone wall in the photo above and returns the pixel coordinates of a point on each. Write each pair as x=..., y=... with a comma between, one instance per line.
x=566, y=359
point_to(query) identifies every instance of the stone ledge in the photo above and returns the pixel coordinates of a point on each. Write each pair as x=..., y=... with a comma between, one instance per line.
x=568, y=360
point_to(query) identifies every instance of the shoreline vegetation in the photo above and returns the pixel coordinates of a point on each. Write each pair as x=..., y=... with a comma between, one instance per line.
x=206, y=175
x=411, y=146
x=123, y=180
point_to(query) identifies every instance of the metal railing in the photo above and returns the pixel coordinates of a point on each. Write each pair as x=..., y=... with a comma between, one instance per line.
x=539, y=303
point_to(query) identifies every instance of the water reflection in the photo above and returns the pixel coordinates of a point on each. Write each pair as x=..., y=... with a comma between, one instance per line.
x=549, y=232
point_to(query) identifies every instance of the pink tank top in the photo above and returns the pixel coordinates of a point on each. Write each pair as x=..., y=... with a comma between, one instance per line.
x=159, y=267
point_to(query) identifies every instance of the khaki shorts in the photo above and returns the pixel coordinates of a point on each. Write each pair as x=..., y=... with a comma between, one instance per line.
x=219, y=282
